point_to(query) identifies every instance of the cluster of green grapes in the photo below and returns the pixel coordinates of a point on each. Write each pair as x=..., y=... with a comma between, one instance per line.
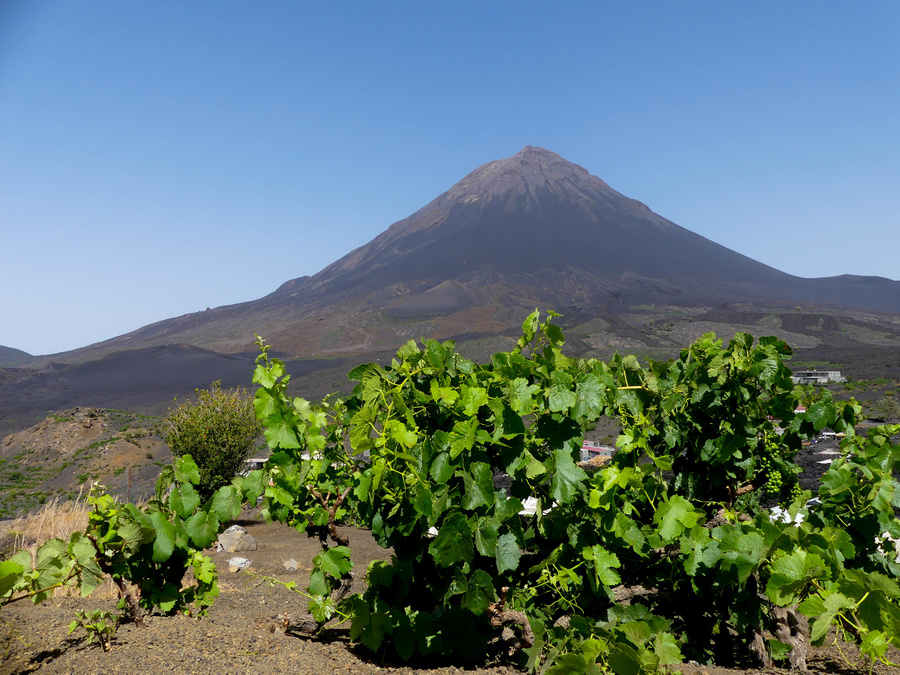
x=774, y=483
x=774, y=479
x=795, y=492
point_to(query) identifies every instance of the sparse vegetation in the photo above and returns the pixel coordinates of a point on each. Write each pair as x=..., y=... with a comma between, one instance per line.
x=97, y=444
x=885, y=409
x=70, y=446
x=877, y=384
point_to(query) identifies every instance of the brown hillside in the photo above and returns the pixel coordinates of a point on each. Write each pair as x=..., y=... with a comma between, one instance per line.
x=63, y=454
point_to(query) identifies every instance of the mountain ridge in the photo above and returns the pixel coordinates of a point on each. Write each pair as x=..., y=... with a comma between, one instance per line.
x=10, y=356
x=528, y=230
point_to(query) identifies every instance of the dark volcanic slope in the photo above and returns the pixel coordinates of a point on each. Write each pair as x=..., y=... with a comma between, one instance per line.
x=527, y=213
x=536, y=212
x=13, y=357
x=137, y=379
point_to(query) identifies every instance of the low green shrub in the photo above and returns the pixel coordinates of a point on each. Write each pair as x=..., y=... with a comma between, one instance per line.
x=218, y=429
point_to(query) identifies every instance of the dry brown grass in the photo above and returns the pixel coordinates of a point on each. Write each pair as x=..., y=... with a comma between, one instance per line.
x=56, y=520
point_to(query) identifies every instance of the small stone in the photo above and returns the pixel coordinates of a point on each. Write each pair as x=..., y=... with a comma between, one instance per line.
x=238, y=564
x=290, y=565
x=235, y=541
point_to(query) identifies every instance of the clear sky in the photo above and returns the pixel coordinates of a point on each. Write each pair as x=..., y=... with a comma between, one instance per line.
x=158, y=158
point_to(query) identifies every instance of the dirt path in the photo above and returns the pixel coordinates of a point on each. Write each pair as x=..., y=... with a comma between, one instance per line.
x=243, y=633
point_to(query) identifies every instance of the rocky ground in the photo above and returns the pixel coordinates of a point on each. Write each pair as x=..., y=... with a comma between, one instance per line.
x=252, y=628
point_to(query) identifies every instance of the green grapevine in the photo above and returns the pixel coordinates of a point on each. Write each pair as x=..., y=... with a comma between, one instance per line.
x=145, y=552
x=627, y=569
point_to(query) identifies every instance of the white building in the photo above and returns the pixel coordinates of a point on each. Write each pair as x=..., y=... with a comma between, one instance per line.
x=817, y=376
x=590, y=449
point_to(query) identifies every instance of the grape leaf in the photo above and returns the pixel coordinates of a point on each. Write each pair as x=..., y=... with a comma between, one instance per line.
x=561, y=398
x=441, y=468
x=10, y=572
x=567, y=477
x=184, y=500
x=226, y=502
x=675, y=516
x=479, y=486
x=164, y=543
x=186, y=470
x=254, y=485
x=521, y=395
x=604, y=564
x=479, y=593
x=267, y=377
x=826, y=610
x=281, y=431
x=369, y=625
x=335, y=561
x=202, y=528
x=473, y=398
x=453, y=543
x=508, y=553
x=486, y=536
x=791, y=574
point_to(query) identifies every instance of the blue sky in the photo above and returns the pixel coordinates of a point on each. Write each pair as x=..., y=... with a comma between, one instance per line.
x=158, y=158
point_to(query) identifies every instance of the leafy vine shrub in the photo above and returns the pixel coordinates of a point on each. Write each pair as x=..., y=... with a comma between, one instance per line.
x=502, y=542
x=145, y=551
x=219, y=430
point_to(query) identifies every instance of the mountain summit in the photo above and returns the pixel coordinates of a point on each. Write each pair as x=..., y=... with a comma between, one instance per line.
x=527, y=214
x=529, y=230
x=539, y=221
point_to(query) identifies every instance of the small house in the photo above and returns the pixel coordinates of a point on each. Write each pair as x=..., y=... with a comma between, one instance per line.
x=590, y=450
x=817, y=376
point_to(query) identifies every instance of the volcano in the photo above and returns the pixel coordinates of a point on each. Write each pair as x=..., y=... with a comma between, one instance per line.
x=547, y=228
x=530, y=215
x=531, y=230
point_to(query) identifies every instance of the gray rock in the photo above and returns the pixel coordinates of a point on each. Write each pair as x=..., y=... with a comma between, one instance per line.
x=237, y=540
x=238, y=564
x=290, y=565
